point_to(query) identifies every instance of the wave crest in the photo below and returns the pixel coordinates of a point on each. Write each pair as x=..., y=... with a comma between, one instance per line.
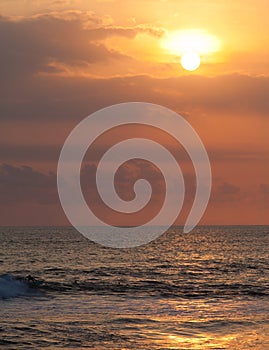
x=11, y=287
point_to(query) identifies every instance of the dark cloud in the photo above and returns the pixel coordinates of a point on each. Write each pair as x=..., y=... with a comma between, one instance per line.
x=254, y=195
x=73, y=98
x=50, y=153
x=31, y=45
x=46, y=43
x=23, y=187
x=226, y=192
x=124, y=180
x=24, y=184
x=263, y=196
x=29, y=153
x=28, y=46
x=264, y=188
x=240, y=155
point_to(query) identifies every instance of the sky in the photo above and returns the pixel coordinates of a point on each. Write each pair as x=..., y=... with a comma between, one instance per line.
x=63, y=60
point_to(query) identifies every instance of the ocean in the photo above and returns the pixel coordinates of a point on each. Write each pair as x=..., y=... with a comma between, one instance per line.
x=208, y=289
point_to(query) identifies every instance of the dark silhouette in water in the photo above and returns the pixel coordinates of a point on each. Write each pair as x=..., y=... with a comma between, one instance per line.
x=32, y=281
x=30, y=278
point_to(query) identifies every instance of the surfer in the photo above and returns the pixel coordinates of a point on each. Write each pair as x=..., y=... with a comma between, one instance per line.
x=30, y=278
x=32, y=282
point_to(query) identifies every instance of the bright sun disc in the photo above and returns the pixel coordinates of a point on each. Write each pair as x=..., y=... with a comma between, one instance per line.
x=190, y=60
x=190, y=44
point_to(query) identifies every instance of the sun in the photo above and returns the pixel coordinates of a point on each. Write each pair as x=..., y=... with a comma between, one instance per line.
x=190, y=60
x=190, y=45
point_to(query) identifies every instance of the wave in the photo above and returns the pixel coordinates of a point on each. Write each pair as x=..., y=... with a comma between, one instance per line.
x=11, y=287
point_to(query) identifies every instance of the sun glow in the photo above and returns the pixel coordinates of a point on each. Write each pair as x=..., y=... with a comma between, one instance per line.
x=190, y=45
x=179, y=42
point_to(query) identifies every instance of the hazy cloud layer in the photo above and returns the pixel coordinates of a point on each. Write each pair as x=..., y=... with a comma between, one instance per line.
x=24, y=184
x=50, y=43
x=28, y=186
x=73, y=38
x=50, y=153
x=57, y=68
x=73, y=98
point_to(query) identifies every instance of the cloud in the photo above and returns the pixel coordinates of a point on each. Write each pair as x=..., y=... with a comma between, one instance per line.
x=239, y=155
x=39, y=40
x=263, y=196
x=25, y=190
x=264, y=189
x=75, y=97
x=124, y=181
x=226, y=192
x=30, y=45
x=24, y=184
x=29, y=153
x=72, y=44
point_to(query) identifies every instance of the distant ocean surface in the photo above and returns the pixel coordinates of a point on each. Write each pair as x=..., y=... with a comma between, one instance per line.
x=208, y=289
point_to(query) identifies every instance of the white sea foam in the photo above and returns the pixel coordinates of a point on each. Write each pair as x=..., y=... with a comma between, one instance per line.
x=11, y=287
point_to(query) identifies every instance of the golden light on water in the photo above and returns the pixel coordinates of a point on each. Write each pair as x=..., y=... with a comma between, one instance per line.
x=201, y=341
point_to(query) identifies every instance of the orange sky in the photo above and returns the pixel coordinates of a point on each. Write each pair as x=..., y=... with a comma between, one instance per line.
x=62, y=60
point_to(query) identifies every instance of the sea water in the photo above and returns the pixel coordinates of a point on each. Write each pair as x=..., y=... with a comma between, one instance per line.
x=208, y=289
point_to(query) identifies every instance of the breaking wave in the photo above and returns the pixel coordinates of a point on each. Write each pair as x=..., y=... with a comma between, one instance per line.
x=11, y=287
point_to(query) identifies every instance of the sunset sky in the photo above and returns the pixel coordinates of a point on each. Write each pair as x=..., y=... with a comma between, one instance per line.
x=62, y=60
